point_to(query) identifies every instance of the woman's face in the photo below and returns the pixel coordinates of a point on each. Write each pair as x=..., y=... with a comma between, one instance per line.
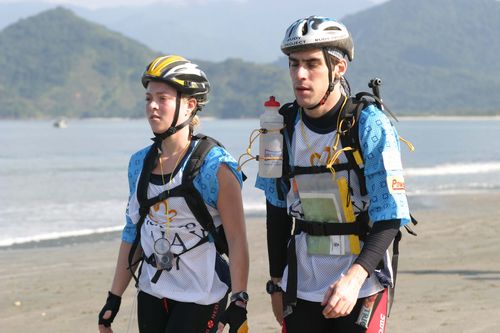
x=160, y=106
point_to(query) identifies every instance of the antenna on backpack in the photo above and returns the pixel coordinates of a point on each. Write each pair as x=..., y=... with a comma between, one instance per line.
x=375, y=84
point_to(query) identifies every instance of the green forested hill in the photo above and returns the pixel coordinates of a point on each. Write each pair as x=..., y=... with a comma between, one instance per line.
x=58, y=64
x=434, y=57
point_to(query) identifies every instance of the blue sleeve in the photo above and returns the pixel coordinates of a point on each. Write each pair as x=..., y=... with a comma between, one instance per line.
x=383, y=169
x=269, y=186
x=134, y=171
x=206, y=181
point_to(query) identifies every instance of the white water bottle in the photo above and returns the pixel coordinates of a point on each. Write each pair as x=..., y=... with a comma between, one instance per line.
x=271, y=141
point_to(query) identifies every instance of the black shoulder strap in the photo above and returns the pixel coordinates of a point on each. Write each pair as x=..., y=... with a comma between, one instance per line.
x=194, y=198
x=350, y=136
x=289, y=113
x=142, y=189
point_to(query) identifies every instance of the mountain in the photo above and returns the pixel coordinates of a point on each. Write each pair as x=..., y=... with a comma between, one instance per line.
x=434, y=56
x=251, y=30
x=56, y=63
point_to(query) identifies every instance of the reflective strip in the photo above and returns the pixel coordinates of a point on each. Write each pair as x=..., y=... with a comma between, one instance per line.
x=348, y=213
x=358, y=158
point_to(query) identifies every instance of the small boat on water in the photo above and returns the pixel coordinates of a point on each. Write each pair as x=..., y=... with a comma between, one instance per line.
x=61, y=123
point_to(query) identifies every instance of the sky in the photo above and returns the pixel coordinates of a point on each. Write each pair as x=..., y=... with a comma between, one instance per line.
x=117, y=3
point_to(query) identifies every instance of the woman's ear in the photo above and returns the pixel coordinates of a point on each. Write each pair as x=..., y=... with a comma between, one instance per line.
x=192, y=104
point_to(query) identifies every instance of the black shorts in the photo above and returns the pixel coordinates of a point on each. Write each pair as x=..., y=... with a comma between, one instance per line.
x=157, y=315
x=308, y=317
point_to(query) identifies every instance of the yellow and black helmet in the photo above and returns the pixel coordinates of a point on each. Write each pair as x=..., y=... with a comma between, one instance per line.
x=181, y=74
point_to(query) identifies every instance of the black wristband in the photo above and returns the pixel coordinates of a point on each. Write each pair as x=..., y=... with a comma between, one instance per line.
x=113, y=304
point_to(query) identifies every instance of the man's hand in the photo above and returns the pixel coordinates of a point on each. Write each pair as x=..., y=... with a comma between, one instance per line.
x=277, y=304
x=342, y=295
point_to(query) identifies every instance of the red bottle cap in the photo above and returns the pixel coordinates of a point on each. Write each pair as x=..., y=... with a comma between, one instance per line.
x=272, y=102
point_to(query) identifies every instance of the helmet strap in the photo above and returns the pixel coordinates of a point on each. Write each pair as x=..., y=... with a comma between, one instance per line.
x=331, y=81
x=173, y=128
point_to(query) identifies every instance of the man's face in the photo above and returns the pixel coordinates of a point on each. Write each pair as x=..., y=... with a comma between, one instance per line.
x=309, y=74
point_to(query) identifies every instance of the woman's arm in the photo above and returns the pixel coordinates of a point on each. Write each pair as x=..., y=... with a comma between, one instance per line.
x=230, y=207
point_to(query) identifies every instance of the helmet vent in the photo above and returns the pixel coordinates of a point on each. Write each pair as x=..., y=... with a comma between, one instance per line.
x=333, y=28
x=304, y=29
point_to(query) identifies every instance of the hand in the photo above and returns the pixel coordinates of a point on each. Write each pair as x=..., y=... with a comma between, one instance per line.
x=341, y=296
x=236, y=316
x=108, y=312
x=277, y=305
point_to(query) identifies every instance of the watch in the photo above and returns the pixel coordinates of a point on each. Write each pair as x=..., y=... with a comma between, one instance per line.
x=240, y=296
x=272, y=288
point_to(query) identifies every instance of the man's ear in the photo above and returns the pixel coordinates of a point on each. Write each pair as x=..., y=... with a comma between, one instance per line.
x=340, y=67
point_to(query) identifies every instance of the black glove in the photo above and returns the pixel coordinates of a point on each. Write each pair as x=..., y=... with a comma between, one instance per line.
x=236, y=317
x=112, y=303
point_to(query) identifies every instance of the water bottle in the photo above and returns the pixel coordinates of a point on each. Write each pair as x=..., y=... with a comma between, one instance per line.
x=271, y=141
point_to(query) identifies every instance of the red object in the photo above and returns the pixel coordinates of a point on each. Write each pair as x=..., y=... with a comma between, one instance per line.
x=378, y=321
x=272, y=102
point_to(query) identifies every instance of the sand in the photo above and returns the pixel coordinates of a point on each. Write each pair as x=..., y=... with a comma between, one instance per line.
x=448, y=281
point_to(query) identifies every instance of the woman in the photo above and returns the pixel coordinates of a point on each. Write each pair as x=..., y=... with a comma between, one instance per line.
x=183, y=190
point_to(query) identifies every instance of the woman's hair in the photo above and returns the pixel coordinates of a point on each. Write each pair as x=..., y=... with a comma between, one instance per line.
x=195, y=122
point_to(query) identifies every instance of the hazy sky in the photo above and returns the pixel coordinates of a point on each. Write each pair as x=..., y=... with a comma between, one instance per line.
x=115, y=3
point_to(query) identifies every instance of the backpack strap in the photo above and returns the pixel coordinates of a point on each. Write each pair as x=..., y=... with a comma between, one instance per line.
x=142, y=188
x=194, y=198
x=349, y=137
x=289, y=113
x=187, y=190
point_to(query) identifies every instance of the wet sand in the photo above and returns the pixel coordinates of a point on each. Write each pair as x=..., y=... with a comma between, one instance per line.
x=448, y=280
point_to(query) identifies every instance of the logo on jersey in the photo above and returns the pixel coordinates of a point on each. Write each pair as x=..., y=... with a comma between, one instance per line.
x=396, y=184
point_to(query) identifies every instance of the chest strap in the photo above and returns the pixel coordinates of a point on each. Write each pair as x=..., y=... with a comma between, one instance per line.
x=152, y=259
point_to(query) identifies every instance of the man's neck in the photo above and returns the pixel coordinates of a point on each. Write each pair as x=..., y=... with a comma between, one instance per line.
x=320, y=110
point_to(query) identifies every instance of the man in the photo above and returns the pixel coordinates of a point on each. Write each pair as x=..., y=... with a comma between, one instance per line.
x=343, y=187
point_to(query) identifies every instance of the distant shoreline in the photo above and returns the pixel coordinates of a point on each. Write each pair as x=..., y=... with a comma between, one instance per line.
x=210, y=118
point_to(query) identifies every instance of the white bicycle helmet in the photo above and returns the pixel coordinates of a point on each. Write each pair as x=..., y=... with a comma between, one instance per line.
x=320, y=33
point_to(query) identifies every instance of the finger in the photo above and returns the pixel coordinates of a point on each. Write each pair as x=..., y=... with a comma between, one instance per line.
x=107, y=314
x=330, y=305
x=220, y=328
x=349, y=309
x=328, y=294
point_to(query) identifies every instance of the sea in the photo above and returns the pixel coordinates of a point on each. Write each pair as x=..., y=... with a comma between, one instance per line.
x=72, y=182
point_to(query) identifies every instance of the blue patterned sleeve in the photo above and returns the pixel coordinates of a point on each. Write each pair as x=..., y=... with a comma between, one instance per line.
x=134, y=171
x=383, y=169
x=206, y=182
x=269, y=186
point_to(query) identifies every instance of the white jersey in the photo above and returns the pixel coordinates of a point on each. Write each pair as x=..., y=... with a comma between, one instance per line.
x=193, y=277
x=316, y=272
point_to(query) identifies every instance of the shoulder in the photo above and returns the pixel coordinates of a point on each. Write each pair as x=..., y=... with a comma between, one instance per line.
x=137, y=158
x=135, y=165
x=372, y=120
x=215, y=157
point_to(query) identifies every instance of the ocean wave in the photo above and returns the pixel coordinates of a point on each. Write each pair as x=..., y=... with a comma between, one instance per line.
x=57, y=235
x=454, y=169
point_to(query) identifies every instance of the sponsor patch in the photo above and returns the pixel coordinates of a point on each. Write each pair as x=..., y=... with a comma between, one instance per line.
x=396, y=184
x=392, y=160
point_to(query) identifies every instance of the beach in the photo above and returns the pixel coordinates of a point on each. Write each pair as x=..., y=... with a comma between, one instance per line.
x=448, y=279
